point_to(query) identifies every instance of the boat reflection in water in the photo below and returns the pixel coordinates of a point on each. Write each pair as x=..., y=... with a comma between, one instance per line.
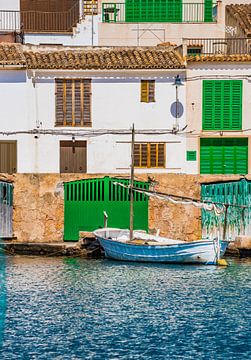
x=149, y=248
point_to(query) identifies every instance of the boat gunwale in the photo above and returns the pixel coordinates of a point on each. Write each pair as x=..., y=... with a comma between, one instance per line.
x=188, y=243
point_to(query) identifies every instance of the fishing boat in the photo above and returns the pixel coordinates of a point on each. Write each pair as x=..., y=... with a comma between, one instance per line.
x=149, y=248
x=131, y=245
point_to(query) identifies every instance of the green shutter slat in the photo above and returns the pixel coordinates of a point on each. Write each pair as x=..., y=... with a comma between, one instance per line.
x=224, y=156
x=191, y=155
x=153, y=10
x=222, y=105
x=236, y=105
x=208, y=10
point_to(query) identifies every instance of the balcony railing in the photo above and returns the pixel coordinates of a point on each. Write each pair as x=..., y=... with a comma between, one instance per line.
x=36, y=21
x=172, y=12
x=218, y=46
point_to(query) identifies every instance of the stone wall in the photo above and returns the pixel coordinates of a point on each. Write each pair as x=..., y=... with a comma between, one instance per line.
x=39, y=205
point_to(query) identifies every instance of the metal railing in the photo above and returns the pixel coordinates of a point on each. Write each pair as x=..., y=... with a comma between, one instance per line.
x=218, y=46
x=37, y=21
x=181, y=13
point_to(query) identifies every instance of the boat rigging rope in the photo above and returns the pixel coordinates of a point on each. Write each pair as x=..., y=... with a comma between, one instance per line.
x=218, y=209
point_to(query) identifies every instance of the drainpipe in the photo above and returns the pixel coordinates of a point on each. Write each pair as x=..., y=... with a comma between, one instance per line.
x=221, y=15
x=33, y=78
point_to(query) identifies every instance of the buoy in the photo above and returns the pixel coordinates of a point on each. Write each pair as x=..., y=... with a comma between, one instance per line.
x=222, y=262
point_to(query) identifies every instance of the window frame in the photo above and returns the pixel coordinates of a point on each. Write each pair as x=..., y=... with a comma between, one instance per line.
x=65, y=100
x=147, y=94
x=148, y=155
x=213, y=114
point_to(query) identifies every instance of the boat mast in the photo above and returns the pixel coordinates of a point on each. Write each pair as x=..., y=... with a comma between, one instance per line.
x=131, y=184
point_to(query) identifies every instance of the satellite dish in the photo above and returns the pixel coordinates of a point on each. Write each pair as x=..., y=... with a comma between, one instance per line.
x=177, y=109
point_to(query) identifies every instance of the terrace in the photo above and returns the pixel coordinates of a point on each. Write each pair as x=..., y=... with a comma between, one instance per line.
x=133, y=11
x=217, y=46
x=40, y=21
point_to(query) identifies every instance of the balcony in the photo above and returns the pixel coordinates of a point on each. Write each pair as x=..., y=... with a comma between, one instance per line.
x=38, y=21
x=132, y=11
x=217, y=46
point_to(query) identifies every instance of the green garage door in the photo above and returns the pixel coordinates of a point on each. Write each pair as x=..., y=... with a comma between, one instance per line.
x=224, y=156
x=86, y=200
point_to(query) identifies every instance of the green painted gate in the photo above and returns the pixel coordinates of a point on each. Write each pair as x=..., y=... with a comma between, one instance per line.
x=86, y=200
x=238, y=219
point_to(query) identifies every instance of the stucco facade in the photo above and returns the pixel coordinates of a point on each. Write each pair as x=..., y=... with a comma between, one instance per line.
x=196, y=73
x=28, y=103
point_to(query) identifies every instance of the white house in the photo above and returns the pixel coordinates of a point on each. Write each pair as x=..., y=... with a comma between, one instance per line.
x=66, y=109
x=113, y=23
x=218, y=112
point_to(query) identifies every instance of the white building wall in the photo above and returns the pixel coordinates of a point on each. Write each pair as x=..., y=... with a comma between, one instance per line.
x=196, y=73
x=28, y=105
x=115, y=105
x=10, y=5
x=85, y=33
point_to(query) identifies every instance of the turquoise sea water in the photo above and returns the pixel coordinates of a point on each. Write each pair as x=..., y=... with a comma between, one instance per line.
x=62, y=308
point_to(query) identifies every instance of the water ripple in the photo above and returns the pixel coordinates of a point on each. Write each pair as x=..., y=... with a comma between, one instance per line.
x=98, y=309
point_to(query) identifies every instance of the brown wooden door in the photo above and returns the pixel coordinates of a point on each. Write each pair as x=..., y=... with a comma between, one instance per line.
x=8, y=157
x=73, y=157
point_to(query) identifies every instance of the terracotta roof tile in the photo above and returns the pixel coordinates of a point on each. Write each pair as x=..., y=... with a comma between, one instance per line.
x=242, y=13
x=103, y=58
x=218, y=58
x=11, y=54
x=59, y=57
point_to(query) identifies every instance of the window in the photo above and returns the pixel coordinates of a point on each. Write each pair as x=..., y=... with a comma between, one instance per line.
x=222, y=105
x=191, y=155
x=224, y=156
x=73, y=102
x=8, y=157
x=147, y=91
x=73, y=157
x=149, y=155
x=194, y=50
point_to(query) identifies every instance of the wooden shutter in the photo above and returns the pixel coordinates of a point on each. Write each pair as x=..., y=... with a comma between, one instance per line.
x=144, y=91
x=161, y=156
x=151, y=86
x=153, y=11
x=222, y=105
x=73, y=102
x=73, y=157
x=137, y=155
x=147, y=91
x=60, y=103
x=87, y=102
x=8, y=157
x=224, y=156
x=149, y=155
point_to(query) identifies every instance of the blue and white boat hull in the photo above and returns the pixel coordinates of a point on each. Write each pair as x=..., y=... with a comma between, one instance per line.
x=198, y=252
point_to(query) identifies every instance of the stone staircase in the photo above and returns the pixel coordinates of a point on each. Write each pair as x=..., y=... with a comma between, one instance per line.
x=90, y=7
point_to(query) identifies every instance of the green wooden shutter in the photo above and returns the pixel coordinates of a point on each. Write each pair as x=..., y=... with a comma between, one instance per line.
x=153, y=10
x=208, y=10
x=224, y=156
x=191, y=155
x=222, y=105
